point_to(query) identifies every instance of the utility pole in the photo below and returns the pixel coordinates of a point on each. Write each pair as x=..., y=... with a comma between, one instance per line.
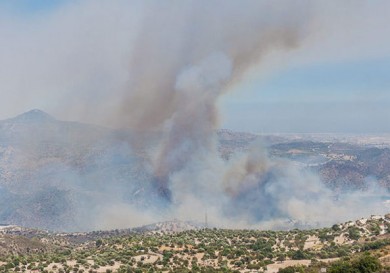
x=205, y=219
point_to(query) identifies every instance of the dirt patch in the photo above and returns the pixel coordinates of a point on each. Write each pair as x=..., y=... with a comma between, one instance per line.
x=274, y=268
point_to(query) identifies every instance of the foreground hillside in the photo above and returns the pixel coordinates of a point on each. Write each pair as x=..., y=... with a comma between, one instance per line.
x=159, y=248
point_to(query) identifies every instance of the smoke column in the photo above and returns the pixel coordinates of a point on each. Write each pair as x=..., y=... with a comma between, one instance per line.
x=189, y=54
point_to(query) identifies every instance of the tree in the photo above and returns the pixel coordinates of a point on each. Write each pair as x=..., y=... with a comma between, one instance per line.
x=367, y=264
x=281, y=257
x=364, y=264
x=336, y=227
x=99, y=242
x=353, y=233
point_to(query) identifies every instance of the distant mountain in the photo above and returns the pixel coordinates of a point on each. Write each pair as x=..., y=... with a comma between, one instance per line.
x=50, y=167
x=34, y=115
x=60, y=175
x=358, y=168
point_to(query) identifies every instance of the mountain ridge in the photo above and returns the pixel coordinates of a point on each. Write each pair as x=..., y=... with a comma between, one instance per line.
x=50, y=169
x=34, y=115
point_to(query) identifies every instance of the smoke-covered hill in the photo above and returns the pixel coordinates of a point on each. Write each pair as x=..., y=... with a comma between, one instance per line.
x=72, y=176
x=49, y=169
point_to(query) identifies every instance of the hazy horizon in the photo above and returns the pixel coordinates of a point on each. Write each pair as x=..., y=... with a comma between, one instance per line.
x=222, y=128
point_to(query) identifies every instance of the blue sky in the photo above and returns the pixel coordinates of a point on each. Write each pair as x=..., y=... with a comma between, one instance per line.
x=342, y=97
x=337, y=81
x=29, y=7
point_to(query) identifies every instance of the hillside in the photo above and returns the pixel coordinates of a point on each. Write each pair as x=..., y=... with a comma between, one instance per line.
x=162, y=250
x=59, y=175
x=48, y=167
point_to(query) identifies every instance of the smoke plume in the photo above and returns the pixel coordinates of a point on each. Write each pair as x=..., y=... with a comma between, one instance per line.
x=195, y=52
x=192, y=60
x=177, y=59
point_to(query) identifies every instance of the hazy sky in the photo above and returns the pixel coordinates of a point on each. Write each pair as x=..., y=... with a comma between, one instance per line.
x=59, y=53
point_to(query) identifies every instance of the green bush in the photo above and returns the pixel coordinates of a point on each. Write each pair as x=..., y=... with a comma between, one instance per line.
x=364, y=264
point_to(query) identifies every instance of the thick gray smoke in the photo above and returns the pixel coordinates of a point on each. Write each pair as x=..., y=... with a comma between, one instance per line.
x=191, y=127
x=185, y=57
x=181, y=57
